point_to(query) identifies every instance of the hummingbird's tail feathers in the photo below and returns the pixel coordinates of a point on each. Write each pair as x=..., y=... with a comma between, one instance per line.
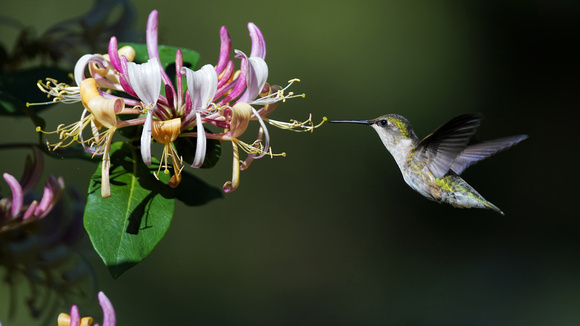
x=494, y=208
x=477, y=152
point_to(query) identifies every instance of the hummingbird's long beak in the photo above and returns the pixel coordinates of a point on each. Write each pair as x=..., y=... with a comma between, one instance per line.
x=363, y=122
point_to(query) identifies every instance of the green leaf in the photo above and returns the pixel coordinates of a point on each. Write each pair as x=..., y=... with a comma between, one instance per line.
x=19, y=87
x=166, y=55
x=125, y=227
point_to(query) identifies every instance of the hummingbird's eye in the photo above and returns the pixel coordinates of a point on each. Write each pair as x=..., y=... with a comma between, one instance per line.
x=384, y=122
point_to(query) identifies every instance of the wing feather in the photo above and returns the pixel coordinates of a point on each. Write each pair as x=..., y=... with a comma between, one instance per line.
x=440, y=149
x=477, y=152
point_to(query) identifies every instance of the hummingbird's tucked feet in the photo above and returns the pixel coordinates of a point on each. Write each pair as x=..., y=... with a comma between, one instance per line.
x=432, y=166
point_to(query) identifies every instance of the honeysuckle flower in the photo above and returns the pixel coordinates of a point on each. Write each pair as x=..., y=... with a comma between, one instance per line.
x=202, y=87
x=220, y=97
x=102, y=113
x=236, y=93
x=74, y=319
x=39, y=262
x=145, y=80
x=100, y=69
x=13, y=211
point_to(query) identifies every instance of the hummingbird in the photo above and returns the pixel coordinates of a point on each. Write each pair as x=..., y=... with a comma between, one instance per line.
x=433, y=166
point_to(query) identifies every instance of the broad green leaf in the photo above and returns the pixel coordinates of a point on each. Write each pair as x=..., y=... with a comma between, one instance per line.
x=19, y=87
x=166, y=55
x=125, y=227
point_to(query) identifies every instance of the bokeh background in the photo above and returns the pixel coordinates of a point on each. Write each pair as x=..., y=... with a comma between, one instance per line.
x=331, y=234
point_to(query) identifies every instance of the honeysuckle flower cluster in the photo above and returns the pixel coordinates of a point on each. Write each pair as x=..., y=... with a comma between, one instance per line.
x=219, y=95
x=38, y=261
x=74, y=319
x=14, y=211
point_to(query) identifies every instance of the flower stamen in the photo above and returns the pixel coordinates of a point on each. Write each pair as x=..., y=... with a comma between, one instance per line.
x=295, y=125
x=61, y=92
x=165, y=132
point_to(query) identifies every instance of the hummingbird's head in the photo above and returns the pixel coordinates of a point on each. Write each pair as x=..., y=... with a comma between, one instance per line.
x=395, y=132
x=393, y=128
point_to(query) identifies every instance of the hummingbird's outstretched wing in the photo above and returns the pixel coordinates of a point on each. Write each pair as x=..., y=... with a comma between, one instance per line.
x=477, y=152
x=440, y=149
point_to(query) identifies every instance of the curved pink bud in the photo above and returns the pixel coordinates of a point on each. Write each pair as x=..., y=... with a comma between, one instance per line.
x=152, y=47
x=225, y=48
x=178, y=66
x=151, y=34
x=225, y=75
x=17, y=195
x=124, y=77
x=258, y=42
x=30, y=210
x=46, y=201
x=109, y=318
x=75, y=317
x=52, y=192
x=114, y=54
x=241, y=80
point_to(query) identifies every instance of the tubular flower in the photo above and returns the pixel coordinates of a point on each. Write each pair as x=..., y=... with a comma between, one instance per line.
x=213, y=96
x=14, y=212
x=74, y=319
x=236, y=94
x=165, y=132
x=102, y=113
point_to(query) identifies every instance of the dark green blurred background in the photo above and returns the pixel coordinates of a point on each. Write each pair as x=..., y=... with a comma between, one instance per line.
x=331, y=234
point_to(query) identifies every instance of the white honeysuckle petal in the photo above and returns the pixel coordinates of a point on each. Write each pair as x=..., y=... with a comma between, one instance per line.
x=146, y=139
x=201, y=147
x=256, y=77
x=81, y=64
x=202, y=86
x=145, y=79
